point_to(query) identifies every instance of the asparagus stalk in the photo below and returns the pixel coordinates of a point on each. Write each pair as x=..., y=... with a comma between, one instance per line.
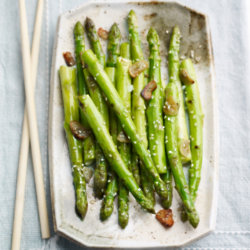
x=100, y=175
x=109, y=197
x=171, y=129
x=112, y=186
x=104, y=139
x=94, y=40
x=117, y=104
x=173, y=68
x=123, y=81
x=167, y=178
x=88, y=143
x=172, y=109
x=123, y=87
x=188, y=77
x=71, y=112
x=123, y=204
x=154, y=116
x=154, y=109
x=138, y=105
x=146, y=181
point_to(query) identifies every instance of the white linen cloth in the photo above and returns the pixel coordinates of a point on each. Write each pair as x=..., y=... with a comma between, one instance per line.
x=230, y=28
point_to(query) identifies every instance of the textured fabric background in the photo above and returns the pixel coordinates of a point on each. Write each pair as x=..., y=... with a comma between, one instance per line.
x=230, y=34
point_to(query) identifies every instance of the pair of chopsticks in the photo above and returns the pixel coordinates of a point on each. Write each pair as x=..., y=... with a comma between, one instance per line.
x=30, y=129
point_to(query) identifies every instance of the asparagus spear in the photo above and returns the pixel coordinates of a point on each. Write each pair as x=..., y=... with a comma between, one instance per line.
x=110, y=194
x=154, y=109
x=167, y=178
x=112, y=186
x=94, y=40
x=172, y=109
x=71, y=112
x=104, y=139
x=88, y=143
x=154, y=115
x=171, y=129
x=114, y=38
x=100, y=175
x=173, y=68
x=188, y=77
x=135, y=42
x=123, y=204
x=117, y=104
x=123, y=87
x=138, y=105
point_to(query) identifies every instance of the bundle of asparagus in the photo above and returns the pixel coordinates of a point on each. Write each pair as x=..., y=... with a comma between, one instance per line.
x=139, y=138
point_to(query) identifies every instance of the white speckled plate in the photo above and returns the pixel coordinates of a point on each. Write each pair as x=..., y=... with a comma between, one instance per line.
x=143, y=230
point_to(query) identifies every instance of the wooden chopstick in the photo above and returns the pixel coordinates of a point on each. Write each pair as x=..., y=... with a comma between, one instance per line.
x=30, y=80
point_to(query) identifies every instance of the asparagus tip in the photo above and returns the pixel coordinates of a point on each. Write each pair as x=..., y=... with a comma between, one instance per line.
x=89, y=24
x=106, y=212
x=131, y=12
x=81, y=209
x=78, y=29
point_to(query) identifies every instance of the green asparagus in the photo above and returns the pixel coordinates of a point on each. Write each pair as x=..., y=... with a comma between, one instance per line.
x=94, y=40
x=71, y=112
x=110, y=194
x=117, y=104
x=171, y=129
x=138, y=105
x=188, y=77
x=104, y=139
x=123, y=87
x=112, y=186
x=88, y=143
x=172, y=109
x=173, y=68
x=167, y=178
x=154, y=115
x=114, y=38
x=100, y=175
x=154, y=109
x=123, y=205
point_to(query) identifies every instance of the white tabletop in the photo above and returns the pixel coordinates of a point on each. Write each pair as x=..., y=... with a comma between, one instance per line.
x=230, y=35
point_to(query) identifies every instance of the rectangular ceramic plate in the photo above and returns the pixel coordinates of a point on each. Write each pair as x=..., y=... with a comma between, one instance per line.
x=143, y=230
